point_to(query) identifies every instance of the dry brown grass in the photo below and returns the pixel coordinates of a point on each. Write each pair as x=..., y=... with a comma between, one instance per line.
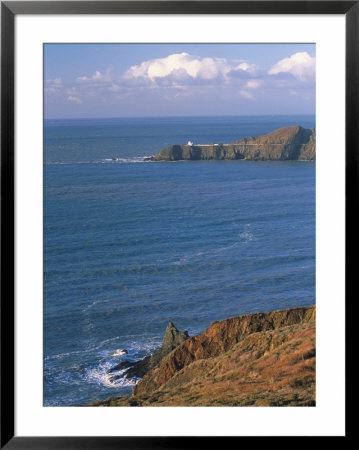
x=268, y=368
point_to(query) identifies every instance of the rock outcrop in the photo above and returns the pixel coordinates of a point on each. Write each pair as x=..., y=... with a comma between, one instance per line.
x=172, y=339
x=218, y=339
x=288, y=143
x=255, y=359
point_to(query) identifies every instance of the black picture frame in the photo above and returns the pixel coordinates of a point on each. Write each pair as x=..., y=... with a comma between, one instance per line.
x=9, y=9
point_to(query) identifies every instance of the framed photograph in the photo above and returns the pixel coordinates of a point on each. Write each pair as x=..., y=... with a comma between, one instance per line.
x=177, y=179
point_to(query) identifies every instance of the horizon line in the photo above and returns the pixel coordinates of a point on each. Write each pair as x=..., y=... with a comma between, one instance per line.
x=174, y=117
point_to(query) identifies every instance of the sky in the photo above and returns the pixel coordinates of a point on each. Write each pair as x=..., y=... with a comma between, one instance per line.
x=156, y=80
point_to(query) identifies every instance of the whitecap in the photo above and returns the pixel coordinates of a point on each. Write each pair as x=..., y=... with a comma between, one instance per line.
x=246, y=237
x=99, y=375
x=133, y=159
x=119, y=352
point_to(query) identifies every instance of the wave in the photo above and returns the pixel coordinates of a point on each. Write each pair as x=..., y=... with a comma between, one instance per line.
x=128, y=160
x=99, y=375
x=134, y=159
x=246, y=237
x=90, y=305
x=93, y=370
x=145, y=345
x=119, y=352
x=243, y=238
x=86, y=350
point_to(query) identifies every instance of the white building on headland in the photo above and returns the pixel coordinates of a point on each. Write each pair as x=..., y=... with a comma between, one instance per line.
x=190, y=143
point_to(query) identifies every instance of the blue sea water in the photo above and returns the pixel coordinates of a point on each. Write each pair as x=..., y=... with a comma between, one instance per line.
x=131, y=245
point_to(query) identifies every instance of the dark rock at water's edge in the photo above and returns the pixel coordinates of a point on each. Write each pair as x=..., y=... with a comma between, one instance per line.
x=259, y=359
x=172, y=339
x=288, y=143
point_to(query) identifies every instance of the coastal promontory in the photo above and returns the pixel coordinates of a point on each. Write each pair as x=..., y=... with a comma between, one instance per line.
x=288, y=143
x=261, y=359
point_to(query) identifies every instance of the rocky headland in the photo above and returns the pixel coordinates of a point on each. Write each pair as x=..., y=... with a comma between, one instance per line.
x=172, y=339
x=261, y=359
x=288, y=143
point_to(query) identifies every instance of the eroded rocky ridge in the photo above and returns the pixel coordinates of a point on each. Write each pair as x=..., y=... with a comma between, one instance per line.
x=255, y=359
x=172, y=339
x=288, y=143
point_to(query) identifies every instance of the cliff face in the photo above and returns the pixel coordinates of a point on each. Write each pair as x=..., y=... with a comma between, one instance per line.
x=172, y=339
x=218, y=339
x=254, y=359
x=289, y=143
x=271, y=368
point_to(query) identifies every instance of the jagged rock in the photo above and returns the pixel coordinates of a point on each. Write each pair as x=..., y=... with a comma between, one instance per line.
x=171, y=340
x=261, y=359
x=218, y=339
x=287, y=143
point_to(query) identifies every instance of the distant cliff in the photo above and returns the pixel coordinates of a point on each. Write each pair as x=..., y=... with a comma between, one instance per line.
x=262, y=359
x=288, y=143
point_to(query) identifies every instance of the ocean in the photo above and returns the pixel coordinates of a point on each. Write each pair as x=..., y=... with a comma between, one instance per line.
x=131, y=245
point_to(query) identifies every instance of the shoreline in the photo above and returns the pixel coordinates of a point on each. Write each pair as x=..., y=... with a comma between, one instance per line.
x=287, y=143
x=259, y=359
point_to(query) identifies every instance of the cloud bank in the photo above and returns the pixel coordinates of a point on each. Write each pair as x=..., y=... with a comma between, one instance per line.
x=179, y=66
x=183, y=79
x=301, y=65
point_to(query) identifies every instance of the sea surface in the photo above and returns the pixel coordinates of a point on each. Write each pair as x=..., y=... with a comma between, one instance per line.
x=131, y=245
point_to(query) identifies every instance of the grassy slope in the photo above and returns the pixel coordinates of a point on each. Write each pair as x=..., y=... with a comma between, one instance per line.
x=288, y=143
x=272, y=367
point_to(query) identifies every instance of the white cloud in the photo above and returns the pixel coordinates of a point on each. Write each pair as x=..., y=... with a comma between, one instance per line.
x=184, y=79
x=97, y=76
x=250, y=68
x=55, y=82
x=179, y=66
x=253, y=84
x=301, y=65
x=74, y=99
x=246, y=94
x=53, y=86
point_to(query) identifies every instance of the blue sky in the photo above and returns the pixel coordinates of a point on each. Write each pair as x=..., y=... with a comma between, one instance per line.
x=140, y=80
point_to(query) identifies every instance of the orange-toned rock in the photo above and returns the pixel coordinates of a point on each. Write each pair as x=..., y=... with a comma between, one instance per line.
x=262, y=359
x=219, y=338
